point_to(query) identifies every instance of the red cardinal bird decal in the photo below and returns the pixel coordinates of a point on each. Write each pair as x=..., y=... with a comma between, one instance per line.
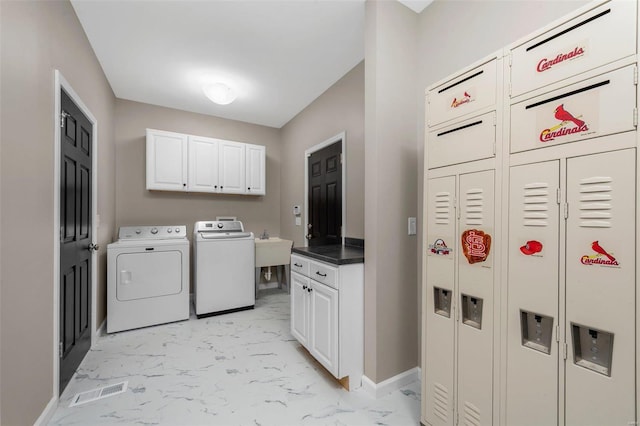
x=563, y=115
x=466, y=95
x=596, y=247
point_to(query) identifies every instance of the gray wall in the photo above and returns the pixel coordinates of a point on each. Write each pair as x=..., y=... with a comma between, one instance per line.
x=340, y=108
x=391, y=285
x=36, y=38
x=137, y=206
x=455, y=34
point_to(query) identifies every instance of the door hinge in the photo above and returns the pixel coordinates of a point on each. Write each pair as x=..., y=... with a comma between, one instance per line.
x=63, y=115
x=558, y=197
x=566, y=210
x=635, y=117
x=60, y=350
x=564, y=350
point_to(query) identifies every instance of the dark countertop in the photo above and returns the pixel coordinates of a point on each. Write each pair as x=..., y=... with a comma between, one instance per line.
x=335, y=254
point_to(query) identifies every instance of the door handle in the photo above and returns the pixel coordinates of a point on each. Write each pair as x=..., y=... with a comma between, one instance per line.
x=93, y=247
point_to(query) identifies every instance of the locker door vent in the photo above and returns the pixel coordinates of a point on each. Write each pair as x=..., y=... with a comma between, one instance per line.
x=443, y=208
x=536, y=204
x=595, y=202
x=441, y=402
x=471, y=415
x=474, y=207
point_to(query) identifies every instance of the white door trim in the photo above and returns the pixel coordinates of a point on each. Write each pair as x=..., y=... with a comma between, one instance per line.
x=62, y=83
x=340, y=136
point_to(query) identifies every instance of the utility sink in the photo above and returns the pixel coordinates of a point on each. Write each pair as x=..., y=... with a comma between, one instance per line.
x=272, y=252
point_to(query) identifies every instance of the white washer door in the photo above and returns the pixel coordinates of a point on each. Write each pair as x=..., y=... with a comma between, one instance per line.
x=149, y=274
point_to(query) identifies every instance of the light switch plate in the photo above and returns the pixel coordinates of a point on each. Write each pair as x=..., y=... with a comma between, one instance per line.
x=298, y=221
x=412, y=226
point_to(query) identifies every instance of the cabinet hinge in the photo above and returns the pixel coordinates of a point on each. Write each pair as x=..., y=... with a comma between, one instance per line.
x=566, y=210
x=635, y=117
x=60, y=350
x=63, y=115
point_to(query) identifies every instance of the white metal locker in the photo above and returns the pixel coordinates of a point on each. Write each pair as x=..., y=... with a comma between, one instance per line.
x=468, y=140
x=600, y=286
x=475, y=296
x=533, y=277
x=595, y=38
x=469, y=92
x=440, y=322
x=595, y=107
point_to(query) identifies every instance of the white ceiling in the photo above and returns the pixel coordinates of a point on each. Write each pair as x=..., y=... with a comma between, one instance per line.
x=279, y=55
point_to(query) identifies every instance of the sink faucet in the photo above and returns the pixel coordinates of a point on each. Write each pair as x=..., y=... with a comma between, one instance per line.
x=264, y=235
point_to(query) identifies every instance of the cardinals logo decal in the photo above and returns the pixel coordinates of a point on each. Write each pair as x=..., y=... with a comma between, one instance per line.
x=602, y=257
x=569, y=125
x=466, y=98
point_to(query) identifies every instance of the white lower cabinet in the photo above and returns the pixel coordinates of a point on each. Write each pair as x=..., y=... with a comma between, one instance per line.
x=327, y=317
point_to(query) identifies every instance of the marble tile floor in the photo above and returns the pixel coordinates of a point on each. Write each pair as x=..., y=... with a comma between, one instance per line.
x=243, y=368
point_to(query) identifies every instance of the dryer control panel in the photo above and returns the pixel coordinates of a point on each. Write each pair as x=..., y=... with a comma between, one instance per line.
x=164, y=232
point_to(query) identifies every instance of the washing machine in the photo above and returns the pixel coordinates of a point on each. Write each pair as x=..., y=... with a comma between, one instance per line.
x=147, y=277
x=224, y=267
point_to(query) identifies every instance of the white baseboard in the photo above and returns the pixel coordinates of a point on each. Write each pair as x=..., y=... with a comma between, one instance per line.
x=378, y=390
x=47, y=413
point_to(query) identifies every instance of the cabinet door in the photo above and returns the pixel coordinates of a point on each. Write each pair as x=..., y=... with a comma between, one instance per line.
x=232, y=167
x=300, y=308
x=532, y=358
x=256, y=172
x=203, y=164
x=600, y=290
x=440, y=323
x=475, y=295
x=166, y=160
x=323, y=323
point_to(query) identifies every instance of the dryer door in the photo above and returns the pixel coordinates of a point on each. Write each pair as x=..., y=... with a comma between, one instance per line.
x=148, y=274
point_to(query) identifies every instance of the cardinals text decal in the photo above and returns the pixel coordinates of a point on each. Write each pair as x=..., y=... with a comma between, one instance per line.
x=569, y=124
x=601, y=257
x=462, y=98
x=545, y=64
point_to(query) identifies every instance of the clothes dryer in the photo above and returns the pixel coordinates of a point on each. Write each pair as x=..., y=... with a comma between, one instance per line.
x=147, y=277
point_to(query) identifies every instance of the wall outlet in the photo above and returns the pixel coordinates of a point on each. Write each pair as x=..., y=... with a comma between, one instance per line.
x=412, y=226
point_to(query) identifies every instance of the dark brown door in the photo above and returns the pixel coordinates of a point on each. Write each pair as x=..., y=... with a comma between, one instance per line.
x=75, y=238
x=325, y=196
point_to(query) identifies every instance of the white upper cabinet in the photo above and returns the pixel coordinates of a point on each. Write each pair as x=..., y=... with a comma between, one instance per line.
x=179, y=162
x=255, y=163
x=597, y=37
x=203, y=164
x=166, y=160
x=232, y=167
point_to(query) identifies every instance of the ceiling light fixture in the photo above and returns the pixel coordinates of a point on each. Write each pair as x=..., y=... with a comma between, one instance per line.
x=220, y=93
